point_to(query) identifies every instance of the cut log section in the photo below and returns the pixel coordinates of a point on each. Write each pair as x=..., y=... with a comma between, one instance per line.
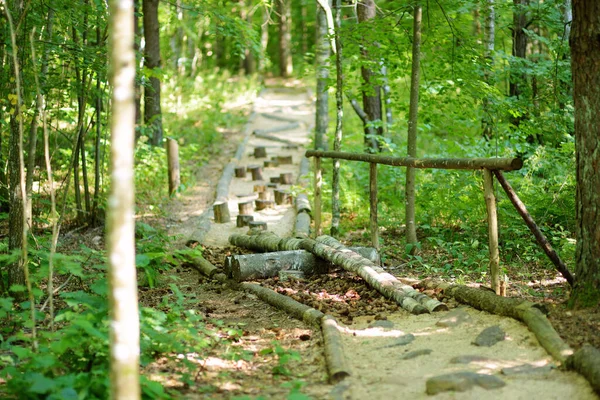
x=337, y=365
x=270, y=164
x=385, y=283
x=286, y=178
x=272, y=185
x=266, y=195
x=260, y=225
x=256, y=171
x=260, y=152
x=283, y=197
x=240, y=172
x=221, y=212
x=245, y=208
x=282, y=160
x=243, y=220
x=263, y=204
x=274, y=179
x=302, y=226
x=267, y=265
x=200, y=264
x=259, y=188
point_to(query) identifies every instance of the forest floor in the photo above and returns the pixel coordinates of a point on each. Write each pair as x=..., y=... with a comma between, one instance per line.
x=391, y=352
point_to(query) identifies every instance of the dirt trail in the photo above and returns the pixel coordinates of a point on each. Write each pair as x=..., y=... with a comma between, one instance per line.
x=391, y=355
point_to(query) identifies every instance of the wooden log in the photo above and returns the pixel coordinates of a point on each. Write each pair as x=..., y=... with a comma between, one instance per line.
x=263, y=204
x=260, y=225
x=256, y=171
x=286, y=178
x=390, y=288
x=227, y=266
x=272, y=185
x=275, y=179
x=245, y=208
x=289, y=144
x=266, y=195
x=221, y=212
x=302, y=203
x=298, y=310
x=200, y=264
x=240, y=172
x=337, y=366
x=259, y=188
x=504, y=164
x=302, y=225
x=304, y=173
x=539, y=236
x=278, y=117
x=260, y=152
x=173, y=165
x=373, y=204
x=283, y=160
x=270, y=164
x=318, y=195
x=519, y=309
x=586, y=361
x=224, y=182
x=282, y=197
x=243, y=220
x=490, y=202
x=263, y=132
x=432, y=305
x=267, y=265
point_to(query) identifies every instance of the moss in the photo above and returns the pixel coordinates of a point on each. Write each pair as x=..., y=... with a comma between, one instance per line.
x=585, y=295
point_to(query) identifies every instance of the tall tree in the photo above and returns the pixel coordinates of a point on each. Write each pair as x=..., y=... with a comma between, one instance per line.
x=286, y=67
x=411, y=230
x=124, y=325
x=371, y=89
x=585, y=67
x=152, y=110
x=337, y=141
x=519, y=46
x=322, y=67
x=488, y=55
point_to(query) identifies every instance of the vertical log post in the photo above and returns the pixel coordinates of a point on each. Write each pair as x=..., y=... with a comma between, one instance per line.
x=173, y=165
x=318, y=184
x=373, y=197
x=490, y=202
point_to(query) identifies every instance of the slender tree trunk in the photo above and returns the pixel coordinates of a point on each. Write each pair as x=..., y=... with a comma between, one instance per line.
x=120, y=240
x=3, y=94
x=519, y=47
x=285, y=38
x=337, y=141
x=303, y=27
x=488, y=55
x=322, y=67
x=476, y=23
x=585, y=65
x=137, y=49
x=152, y=110
x=177, y=39
x=264, y=40
x=371, y=90
x=248, y=62
x=411, y=231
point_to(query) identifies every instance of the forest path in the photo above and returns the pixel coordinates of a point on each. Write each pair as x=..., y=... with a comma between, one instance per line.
x=391, y=354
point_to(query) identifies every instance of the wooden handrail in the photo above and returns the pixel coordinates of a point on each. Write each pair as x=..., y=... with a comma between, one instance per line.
x=499, y=164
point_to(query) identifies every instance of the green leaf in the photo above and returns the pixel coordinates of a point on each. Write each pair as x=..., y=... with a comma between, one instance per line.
x=41, y=384
x=142, y=260
x=17, y=288
x=21, y=352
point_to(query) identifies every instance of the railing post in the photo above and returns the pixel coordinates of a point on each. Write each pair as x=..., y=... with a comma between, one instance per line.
x=490, y=201
x=373, y=204
x=173, y=165
x=318, y=184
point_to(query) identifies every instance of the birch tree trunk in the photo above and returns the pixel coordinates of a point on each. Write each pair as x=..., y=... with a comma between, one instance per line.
x=124, y=325
x=337, y=142
x=322, y=67
x=152, y=110
x=285, y=38
x=411, y=230
x=488, y=55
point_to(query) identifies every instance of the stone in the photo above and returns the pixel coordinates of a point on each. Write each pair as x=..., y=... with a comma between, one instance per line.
x=416, y=353
x=461, y=382
x=490, y=336
x=469, y=359
x=456, y=317
x=402, y=340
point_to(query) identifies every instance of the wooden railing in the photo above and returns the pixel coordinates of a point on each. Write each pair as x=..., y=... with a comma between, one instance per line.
x=487, y=164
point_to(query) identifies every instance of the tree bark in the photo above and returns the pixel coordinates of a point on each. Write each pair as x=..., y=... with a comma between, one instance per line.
x=585, y=66
x=488, y=55
x=286, y=67
x=411, y=229
x=120, y=236
x=519, y=47
x=371, y=90
x=586, y=361
x=152, y=108
x=264, y=40
x=322, y=67
x=337, y=141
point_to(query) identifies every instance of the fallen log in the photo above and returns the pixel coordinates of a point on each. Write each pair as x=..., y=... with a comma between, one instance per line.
x=280, y=128
x=586, y=361
x=432, y=305
x=263, y=135
x=267, y=265
x=522, y=310
x=302, y=225
x=201, y=265
x=358, y=265
x=334, y=350
x=278, y=117
x=302, y=203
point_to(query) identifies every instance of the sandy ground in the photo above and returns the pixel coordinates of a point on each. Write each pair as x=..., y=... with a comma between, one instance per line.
x=378, y=370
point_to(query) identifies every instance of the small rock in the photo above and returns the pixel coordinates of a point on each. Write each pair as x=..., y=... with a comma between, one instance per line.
x=490, y=336
x=489, y=381
x=468, y=359
x=416, y=353
x=382, y=323
x=527, y=369
x=462, y=381
x=402, y=340
x=456, y=317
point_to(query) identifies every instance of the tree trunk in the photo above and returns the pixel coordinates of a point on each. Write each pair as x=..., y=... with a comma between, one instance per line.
x=137, y=48
x=284, y=8
x=120, y=238
x=371, y=91
x=264, y=40
x=152, y=110
x=488, y=55
x=519, y=47
x=337, y=141
x=411, y=230
x=585, y=66
x=322, y=67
